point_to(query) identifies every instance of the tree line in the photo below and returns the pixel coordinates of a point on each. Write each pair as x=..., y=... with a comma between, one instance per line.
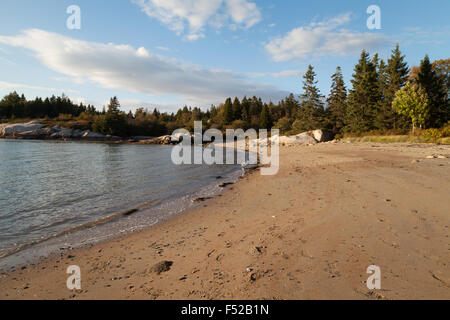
x=384, y=96
x=15, y=106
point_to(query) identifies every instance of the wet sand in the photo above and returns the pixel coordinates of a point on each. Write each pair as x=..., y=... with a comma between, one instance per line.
x=310, y=232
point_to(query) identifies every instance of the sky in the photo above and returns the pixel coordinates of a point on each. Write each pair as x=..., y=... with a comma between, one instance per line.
x=171, y=53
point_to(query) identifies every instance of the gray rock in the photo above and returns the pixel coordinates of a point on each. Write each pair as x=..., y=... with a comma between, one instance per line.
x=89, y=135
x=77, y=134
x=66, y=133
x=112, y=138
x=323, y=135
x=306, y=138
x=55, y=129
x=176, y=138
x=35, y=134
x=13, y=129
x=159, y=140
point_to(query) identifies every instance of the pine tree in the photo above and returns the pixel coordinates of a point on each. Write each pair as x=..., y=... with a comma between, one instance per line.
x=114, y=106
x=392, y=79
x=364, y=97
x=434, y=85
x=265, y=120
x=245, y=109
x=337, y=102
x=228, y=112
x=311, y=113
x=237, y=111
x=442, y=67
x=291, y=105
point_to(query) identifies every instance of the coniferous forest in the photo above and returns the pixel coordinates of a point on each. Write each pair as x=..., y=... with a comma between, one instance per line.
x=385, y=97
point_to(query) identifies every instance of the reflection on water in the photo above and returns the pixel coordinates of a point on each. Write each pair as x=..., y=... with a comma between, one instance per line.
x=50, y=187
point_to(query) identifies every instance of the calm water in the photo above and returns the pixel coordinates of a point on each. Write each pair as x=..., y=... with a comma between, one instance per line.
x=49, y=187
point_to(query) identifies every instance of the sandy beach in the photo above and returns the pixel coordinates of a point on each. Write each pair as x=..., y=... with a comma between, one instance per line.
x=309, y=232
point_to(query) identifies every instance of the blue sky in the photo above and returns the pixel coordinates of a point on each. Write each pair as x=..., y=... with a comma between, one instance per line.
x=167, y=53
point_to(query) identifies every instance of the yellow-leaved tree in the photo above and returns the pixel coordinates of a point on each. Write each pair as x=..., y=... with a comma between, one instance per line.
x=412, y=101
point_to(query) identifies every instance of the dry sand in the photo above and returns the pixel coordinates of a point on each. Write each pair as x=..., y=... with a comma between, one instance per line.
x=309, y=232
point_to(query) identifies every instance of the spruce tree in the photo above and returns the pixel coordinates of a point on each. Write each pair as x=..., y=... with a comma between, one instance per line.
x=442, y=67
x=245, y=109
x=265, y=120
x=237, y=111
x=337, y=102
x=114, y=105
x=311, y=113
x=392, y=79
x=434, y=85
x=364, y=97
x=291, y=105
x=228, y=112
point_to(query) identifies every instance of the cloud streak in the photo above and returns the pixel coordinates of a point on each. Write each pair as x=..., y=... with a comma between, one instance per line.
x=12, y=86
x=137, y=70
x=195, y=15
x=282, y=74
x=326, y=38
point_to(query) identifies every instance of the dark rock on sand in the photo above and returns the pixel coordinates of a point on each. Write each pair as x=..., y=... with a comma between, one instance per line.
x=161, y=267
x=202, y=199
x=225, y=184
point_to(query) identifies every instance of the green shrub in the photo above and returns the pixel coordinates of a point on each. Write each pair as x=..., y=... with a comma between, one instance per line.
x=284, y=125
x=432, y=134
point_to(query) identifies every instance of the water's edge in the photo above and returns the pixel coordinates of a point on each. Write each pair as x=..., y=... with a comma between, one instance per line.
x=115, y=226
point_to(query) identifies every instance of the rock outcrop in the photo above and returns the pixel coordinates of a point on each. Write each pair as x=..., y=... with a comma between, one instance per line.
x=302, y=139
x=37, y=130
x=158, y=140
x=168, y=139
x=323, y=135
x=17, y=128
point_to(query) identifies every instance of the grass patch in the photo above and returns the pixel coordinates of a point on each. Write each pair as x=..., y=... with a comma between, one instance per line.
x=399, y=139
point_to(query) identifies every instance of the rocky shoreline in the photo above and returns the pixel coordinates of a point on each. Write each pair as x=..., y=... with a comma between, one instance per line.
x=35, y=130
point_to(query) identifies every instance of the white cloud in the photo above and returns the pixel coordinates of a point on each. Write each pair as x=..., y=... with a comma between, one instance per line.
x=282, y=74
x=125, y=68
x=326, y=38
x=15, y=86
x=196, y=14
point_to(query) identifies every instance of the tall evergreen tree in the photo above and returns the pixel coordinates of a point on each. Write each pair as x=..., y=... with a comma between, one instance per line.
x=291, y=105
x=442, y=67
x=311, y=112
x=364, y=97
x=434, y=85
x=113, y=122
x=392, y=79
x=228, y=112
x=265, y=121
x=337, y=102
x=114, y=106
x=245, y=109
x=237, y=111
